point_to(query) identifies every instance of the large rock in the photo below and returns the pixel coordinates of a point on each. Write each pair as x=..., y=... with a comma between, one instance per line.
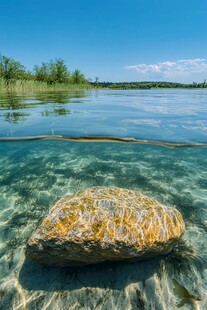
x=105, y=224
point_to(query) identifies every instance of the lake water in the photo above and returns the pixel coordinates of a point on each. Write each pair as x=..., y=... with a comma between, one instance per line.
x=39, y=163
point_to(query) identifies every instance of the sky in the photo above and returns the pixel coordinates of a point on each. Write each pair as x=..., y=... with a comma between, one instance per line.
x=115, y=40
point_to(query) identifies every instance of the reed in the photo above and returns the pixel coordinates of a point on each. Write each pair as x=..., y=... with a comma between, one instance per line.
x=25, y=86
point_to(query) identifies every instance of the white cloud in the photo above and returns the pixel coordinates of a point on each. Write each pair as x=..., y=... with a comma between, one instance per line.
x=171, y=69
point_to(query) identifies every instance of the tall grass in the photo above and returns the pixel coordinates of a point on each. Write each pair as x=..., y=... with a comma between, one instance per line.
x=24, y=86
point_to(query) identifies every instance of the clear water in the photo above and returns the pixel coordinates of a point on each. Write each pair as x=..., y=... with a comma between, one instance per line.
x=35, y=174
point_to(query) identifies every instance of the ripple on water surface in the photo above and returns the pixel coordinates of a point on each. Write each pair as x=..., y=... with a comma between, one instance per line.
x=164, y=115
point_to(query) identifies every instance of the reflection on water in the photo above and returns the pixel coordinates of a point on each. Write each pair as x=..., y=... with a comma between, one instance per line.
x=34, y=175
x=11, y=102
x=15, y=117
x=51, y=105
x=161, y=115
x=61, y=97
x=55, y=112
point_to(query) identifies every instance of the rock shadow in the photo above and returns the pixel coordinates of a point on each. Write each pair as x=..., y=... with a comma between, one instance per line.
x=112, y=275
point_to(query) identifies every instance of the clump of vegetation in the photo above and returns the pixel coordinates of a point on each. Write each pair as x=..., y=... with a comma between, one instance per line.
x=12, y=70
x=52, y=72
x=49, y=76
x=56, y=71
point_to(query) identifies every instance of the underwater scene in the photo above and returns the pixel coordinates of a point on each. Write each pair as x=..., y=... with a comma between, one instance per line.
x=52, y=145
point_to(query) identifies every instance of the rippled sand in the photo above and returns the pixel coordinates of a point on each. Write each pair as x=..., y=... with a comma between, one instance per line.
x=34, y=175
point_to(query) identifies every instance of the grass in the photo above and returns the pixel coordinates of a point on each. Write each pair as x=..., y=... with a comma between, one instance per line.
x=24, y=86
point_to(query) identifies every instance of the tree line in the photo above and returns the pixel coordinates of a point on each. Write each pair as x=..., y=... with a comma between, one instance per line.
x=52, y=72
x=148, y=85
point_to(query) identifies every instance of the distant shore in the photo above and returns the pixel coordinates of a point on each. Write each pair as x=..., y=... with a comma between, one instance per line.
x=149, y=85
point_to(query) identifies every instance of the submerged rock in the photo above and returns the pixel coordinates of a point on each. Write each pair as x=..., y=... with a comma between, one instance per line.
x=105, y=224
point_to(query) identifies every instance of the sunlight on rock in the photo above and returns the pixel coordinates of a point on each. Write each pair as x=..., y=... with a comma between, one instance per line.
x=105, y=224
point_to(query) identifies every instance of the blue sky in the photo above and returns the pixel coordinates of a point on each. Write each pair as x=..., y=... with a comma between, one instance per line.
x=116, y=40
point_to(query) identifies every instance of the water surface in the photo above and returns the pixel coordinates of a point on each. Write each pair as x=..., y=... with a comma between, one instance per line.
x=162, y=115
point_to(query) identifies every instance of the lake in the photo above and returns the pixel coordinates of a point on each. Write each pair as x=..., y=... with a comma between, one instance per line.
x=153, y=141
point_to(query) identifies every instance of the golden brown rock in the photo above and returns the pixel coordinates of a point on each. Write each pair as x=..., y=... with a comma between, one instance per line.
x=105, y=224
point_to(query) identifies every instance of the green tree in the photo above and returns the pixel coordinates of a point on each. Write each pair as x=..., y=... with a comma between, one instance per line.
x=78, y=78
x=53, y=72
x=58, y=71
x=11, y=69
x=41, y=72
